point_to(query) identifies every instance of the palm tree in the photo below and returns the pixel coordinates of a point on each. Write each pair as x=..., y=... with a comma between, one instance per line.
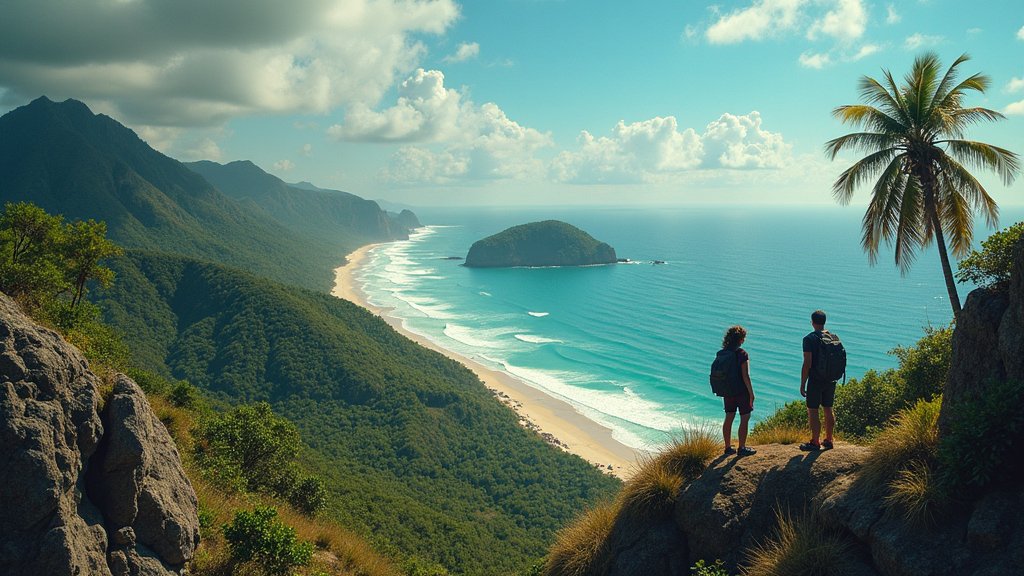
x=916, y=156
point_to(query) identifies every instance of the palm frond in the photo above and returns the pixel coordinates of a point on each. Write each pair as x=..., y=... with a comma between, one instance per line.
x=868, y=142
x=880, y=217
x=910, y=233
x=875, y=93
x=862, y=170
x=981, y=155
x=921, y=83
x=955, y=218
x=900, y=103
x=963, y=183
x=943, y=89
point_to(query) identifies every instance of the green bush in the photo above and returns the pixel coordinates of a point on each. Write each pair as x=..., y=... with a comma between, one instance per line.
x=258, y=536
x=184, y=395
x=791, y=414
x=419, y=567
x=992, y=264
x=983, y=442
x=702, y=568
x=864, y=405
x=309, y=496
x=925, y=365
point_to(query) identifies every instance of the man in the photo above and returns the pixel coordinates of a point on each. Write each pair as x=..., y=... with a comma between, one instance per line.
x=819, y=392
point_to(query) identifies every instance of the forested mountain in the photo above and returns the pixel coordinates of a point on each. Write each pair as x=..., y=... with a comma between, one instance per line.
x=417, y=453
x=70, y=161
x=328, y=214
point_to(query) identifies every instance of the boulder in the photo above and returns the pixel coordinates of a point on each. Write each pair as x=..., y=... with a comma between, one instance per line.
x=136, y=514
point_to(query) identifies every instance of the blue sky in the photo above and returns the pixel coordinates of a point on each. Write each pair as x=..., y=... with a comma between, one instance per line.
x=433, y=102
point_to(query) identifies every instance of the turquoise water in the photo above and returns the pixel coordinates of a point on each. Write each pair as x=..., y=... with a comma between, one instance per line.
x=630, y=345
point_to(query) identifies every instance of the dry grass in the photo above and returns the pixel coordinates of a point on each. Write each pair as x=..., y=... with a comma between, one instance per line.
x=912, y=436
x=800, y=547
x=915, y=493
x=651, y=492
x=781, y=434
x=581, y=548
x=689, y=455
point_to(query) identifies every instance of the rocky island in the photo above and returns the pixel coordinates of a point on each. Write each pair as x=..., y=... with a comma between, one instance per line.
x=547, y=243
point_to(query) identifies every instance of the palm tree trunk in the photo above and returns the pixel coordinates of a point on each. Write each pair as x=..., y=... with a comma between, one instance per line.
x=940, y=241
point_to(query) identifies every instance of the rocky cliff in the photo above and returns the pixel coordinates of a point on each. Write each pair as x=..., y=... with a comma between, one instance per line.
x=732, y=508
x=547, y=243
x=83, y=490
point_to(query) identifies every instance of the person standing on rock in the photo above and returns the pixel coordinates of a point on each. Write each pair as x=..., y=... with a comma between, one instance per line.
x=731, y=369
x=817, y=381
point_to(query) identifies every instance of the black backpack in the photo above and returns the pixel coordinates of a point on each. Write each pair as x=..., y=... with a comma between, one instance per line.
x=725, y=374
x=830, y=363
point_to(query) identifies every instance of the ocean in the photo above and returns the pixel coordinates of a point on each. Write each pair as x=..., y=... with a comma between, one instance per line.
x=630, y=345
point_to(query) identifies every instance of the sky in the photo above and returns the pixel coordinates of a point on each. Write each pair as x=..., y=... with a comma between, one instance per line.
x=510, y=102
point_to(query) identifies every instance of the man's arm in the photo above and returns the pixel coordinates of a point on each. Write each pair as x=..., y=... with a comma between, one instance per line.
x=805, y=372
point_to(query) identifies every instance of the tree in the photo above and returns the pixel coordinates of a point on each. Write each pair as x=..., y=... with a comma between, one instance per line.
x=992, y=265
x=917, y=157
x=31, y=266
x=259, y=444
x=85, y=245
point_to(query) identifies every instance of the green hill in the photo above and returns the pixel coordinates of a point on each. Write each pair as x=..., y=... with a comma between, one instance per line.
x=331, y=215
x=547, y=243
x=416, y=452
x=70, y=161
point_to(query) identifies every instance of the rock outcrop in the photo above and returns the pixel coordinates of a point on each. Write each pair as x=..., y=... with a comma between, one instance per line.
x=136, y=515
x=547, y=243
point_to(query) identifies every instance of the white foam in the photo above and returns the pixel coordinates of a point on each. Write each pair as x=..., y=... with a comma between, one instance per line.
x=538, y=314
x=482, y=293
x=535, y=339
x=427, y=307
x=468, y=337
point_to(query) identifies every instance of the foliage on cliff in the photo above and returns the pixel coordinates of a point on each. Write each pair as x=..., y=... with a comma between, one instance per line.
x=547, y=243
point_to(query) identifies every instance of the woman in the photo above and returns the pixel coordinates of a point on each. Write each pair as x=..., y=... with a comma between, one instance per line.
x=742, y=396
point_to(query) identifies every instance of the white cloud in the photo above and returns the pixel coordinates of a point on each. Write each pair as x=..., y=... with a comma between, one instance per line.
x=1015, y=85
x=865, y=51
x=891, y=16
x=461, y=139
x=198, y=63
x=1020, y=33
x=918, y=40
x=463, y=52
x=1015, y=109
x=816, y=61
x=846, y=22
x=306, y=150
x=284, y=165
x=762, y=19
x=657, y=150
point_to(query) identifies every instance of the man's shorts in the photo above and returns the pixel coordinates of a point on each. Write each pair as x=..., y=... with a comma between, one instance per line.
x=741, y=403
x=820, y=394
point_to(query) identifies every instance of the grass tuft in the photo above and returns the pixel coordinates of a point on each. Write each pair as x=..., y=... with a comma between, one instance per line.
x=916, y=493
x=782, y=433
x=652, y=491
x=581, y=548
x=801, y=546
x=689, y=455
x=912, y=436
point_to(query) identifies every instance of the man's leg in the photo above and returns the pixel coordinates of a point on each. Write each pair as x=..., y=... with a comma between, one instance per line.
x=727, y=429
x=830, y=422
x=744, y=420
x=815, y=423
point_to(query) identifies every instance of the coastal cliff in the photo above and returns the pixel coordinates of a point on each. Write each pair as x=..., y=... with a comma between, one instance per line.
x=841, y=511
x=547, y=243
x=85, y=489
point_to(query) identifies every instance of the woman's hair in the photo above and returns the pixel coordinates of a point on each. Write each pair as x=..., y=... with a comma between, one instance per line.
x=733, y=336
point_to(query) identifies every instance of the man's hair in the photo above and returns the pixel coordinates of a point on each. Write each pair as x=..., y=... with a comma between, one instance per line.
x=733, y=336
x=818, y=317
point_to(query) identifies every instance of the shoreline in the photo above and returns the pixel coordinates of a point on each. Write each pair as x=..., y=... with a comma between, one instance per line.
x=554, y=419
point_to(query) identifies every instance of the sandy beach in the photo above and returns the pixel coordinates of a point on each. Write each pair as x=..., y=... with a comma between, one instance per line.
x=556, y=420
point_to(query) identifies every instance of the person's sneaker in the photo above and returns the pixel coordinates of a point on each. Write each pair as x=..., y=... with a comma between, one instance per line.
x=809, y=447
x=827, y=445
x=745, y=451
x=730, y=451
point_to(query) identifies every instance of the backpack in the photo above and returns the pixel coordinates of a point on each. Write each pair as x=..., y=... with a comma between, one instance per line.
x=830, y=363
x=725, y=374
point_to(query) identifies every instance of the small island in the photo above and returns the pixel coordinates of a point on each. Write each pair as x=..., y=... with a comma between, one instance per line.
x=547, y=243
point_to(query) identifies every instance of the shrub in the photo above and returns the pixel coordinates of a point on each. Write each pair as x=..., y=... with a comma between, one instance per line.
x=419, y=567
x=864, y=405
x=992, y=264
x=259, y=536
x=702, y=568
x=984, y=438
x=184, y=395
x=800, y=547
x=790, y=415
x=581, y=548
x=257, y=443
x=915, y=492
x=309, y=496
x=925, y=365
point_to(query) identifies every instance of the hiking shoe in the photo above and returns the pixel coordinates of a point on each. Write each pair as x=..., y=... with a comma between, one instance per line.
x=827, y=445
x=730, y=451
x=809, y=447
x=745, y=451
